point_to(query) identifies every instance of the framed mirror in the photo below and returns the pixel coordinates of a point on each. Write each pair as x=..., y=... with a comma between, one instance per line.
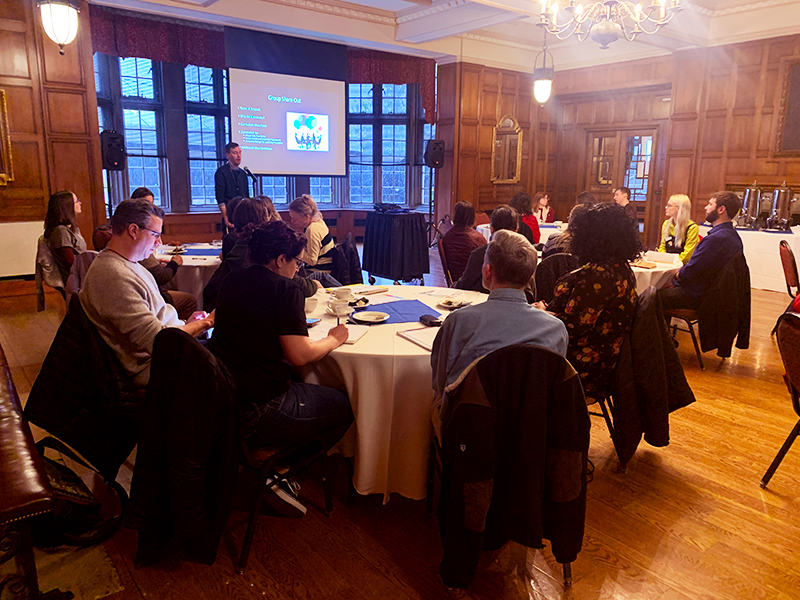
x=506, y=151
x=6, y=168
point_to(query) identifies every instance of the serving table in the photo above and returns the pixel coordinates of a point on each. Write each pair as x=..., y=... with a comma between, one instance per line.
x=199, y=263
x=762, y=255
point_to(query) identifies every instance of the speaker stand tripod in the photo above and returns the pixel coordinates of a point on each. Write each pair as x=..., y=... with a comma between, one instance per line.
x=432, y=232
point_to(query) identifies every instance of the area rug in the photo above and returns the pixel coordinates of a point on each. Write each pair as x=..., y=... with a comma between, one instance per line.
x=86, y=572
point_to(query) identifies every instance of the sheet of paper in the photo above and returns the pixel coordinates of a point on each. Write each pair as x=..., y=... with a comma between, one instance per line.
x=320, y=331
x=383, y=299
x=422, y=336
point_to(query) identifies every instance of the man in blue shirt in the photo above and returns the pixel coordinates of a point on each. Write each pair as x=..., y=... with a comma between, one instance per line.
x=230, y=182
x=713, y=252
x=504, y=319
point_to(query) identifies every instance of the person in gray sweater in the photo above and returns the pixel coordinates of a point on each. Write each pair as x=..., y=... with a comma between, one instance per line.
x=121, y=297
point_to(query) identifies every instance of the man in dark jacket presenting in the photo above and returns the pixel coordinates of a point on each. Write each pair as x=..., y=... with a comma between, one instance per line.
x=230, y=181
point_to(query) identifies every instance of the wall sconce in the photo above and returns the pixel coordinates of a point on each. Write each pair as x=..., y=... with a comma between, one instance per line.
x=60, y=20
x=543, y=76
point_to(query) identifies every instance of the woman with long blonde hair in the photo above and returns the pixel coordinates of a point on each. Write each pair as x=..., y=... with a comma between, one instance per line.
x=307, y=219
x=679, y=234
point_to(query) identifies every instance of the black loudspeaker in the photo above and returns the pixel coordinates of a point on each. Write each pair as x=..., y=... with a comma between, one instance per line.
x=434, y=154
x=112, y=148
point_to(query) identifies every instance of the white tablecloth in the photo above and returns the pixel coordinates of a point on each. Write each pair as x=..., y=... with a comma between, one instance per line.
x=546, y=230
x=193, y=275
x=388, y=381
x=763, y=259
x=658, y=277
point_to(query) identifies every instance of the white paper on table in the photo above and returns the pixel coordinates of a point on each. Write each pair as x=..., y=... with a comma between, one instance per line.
x=661, y=257
x=422, y=336
x=383, y=299
x=442, y=293
x=320, y=331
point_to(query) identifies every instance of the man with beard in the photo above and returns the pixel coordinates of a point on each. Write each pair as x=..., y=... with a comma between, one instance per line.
x=720, y=245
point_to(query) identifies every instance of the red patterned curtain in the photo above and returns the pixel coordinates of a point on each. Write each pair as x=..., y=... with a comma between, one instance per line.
x=123, y=33
x=370, y=66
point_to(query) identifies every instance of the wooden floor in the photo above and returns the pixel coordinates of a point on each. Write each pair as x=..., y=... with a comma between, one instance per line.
x=685, y=522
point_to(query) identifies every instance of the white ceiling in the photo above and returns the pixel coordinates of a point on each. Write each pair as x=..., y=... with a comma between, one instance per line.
x=499, y=33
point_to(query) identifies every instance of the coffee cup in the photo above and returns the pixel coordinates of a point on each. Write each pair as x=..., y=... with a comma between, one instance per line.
x=311, y=304
x=339, y=306
x=343, y=293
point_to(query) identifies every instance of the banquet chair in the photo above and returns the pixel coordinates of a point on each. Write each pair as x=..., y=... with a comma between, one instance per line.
x=293, y=460
x=447, y=276
x=482, y=218
x=788, y=337
x=511, y=455
x=691, y=318
x=789, y=269
x=549, y=271
x=789, y=273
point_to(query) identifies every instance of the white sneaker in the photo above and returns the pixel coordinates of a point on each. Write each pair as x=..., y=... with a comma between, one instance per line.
x=284, y=502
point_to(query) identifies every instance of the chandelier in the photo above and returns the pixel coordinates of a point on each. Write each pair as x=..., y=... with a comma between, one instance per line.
x=606, y=21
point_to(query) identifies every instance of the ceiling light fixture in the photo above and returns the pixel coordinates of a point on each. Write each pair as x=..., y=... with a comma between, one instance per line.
x=543, y=76
x=60, y=20
x=606, y=21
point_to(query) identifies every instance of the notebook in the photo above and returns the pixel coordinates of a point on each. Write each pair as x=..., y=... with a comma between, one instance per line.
x=320, y=331
x=423, y=336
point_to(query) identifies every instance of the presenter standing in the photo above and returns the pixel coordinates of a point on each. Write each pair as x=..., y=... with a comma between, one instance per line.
x=229, y=182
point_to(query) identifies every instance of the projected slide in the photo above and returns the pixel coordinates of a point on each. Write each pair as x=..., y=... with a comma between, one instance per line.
x=307, y=132
x=288, y=125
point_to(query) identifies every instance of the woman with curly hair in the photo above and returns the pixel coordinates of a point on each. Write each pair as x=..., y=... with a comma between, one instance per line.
x=61, y=230
x=597, y=301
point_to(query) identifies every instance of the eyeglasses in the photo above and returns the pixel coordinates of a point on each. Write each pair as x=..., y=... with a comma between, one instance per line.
x=300, y=264
x=155, y=234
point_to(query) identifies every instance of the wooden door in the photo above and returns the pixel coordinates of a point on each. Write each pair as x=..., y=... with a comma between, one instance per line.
x=626, y=158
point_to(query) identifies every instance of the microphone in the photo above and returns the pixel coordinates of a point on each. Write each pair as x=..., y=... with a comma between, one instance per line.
x=250, y=173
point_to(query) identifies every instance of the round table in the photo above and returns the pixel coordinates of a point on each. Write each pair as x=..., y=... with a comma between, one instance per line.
x=658, y=276
x=388, y=381
x=196, y=270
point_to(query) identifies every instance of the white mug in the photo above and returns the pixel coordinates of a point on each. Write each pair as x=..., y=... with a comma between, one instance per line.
x=343, y=293
x=311, y=304
x=339, y=306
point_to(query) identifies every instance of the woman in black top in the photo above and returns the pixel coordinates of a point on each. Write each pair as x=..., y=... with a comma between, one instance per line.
x=261, y=335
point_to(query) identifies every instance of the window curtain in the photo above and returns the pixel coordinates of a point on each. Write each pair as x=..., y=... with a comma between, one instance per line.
x=371, y=66
x=123, y=33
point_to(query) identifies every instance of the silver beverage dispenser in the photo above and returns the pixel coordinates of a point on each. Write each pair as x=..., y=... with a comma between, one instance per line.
x=782, y=199
x=751, y=207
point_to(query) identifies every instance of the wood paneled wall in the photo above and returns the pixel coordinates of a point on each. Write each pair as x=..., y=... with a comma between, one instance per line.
x=724, y=121
x=52, y=109
x=472, y=99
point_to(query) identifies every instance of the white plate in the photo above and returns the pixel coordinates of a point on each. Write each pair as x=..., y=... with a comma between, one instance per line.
x=451, y=304
x=370, y=316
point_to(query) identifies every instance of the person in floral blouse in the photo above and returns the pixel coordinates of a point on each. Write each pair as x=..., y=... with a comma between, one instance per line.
x=597, y=301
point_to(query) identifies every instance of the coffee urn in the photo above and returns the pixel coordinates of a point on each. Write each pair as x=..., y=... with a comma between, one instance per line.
x=782, y=199
x=751, y=205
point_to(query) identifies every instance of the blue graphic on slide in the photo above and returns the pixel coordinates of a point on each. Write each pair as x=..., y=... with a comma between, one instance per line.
x=307, y=132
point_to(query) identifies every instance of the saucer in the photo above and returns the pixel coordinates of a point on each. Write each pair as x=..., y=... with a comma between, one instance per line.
x=339, y=314
x=370, y=316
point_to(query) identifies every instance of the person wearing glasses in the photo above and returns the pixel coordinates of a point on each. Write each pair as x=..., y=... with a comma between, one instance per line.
x=261, y=335
x=121, y=297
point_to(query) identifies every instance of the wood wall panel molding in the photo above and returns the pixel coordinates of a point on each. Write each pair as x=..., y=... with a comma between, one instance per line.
x=28, y=163
x=67, y=112
x=14, y=55
x=61, y=69
x=683, y=134
x=713, y=134
x=20, y=114
x=13, y=10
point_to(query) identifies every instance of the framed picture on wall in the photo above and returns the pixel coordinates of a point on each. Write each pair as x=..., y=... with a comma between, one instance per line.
x=6, y=166
x=787, y=141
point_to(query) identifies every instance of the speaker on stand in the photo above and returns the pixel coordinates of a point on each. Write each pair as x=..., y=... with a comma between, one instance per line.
x=112, y=150
x=434, y=159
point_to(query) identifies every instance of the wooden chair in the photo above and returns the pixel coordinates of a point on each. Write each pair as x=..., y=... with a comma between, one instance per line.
x=788, y=337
